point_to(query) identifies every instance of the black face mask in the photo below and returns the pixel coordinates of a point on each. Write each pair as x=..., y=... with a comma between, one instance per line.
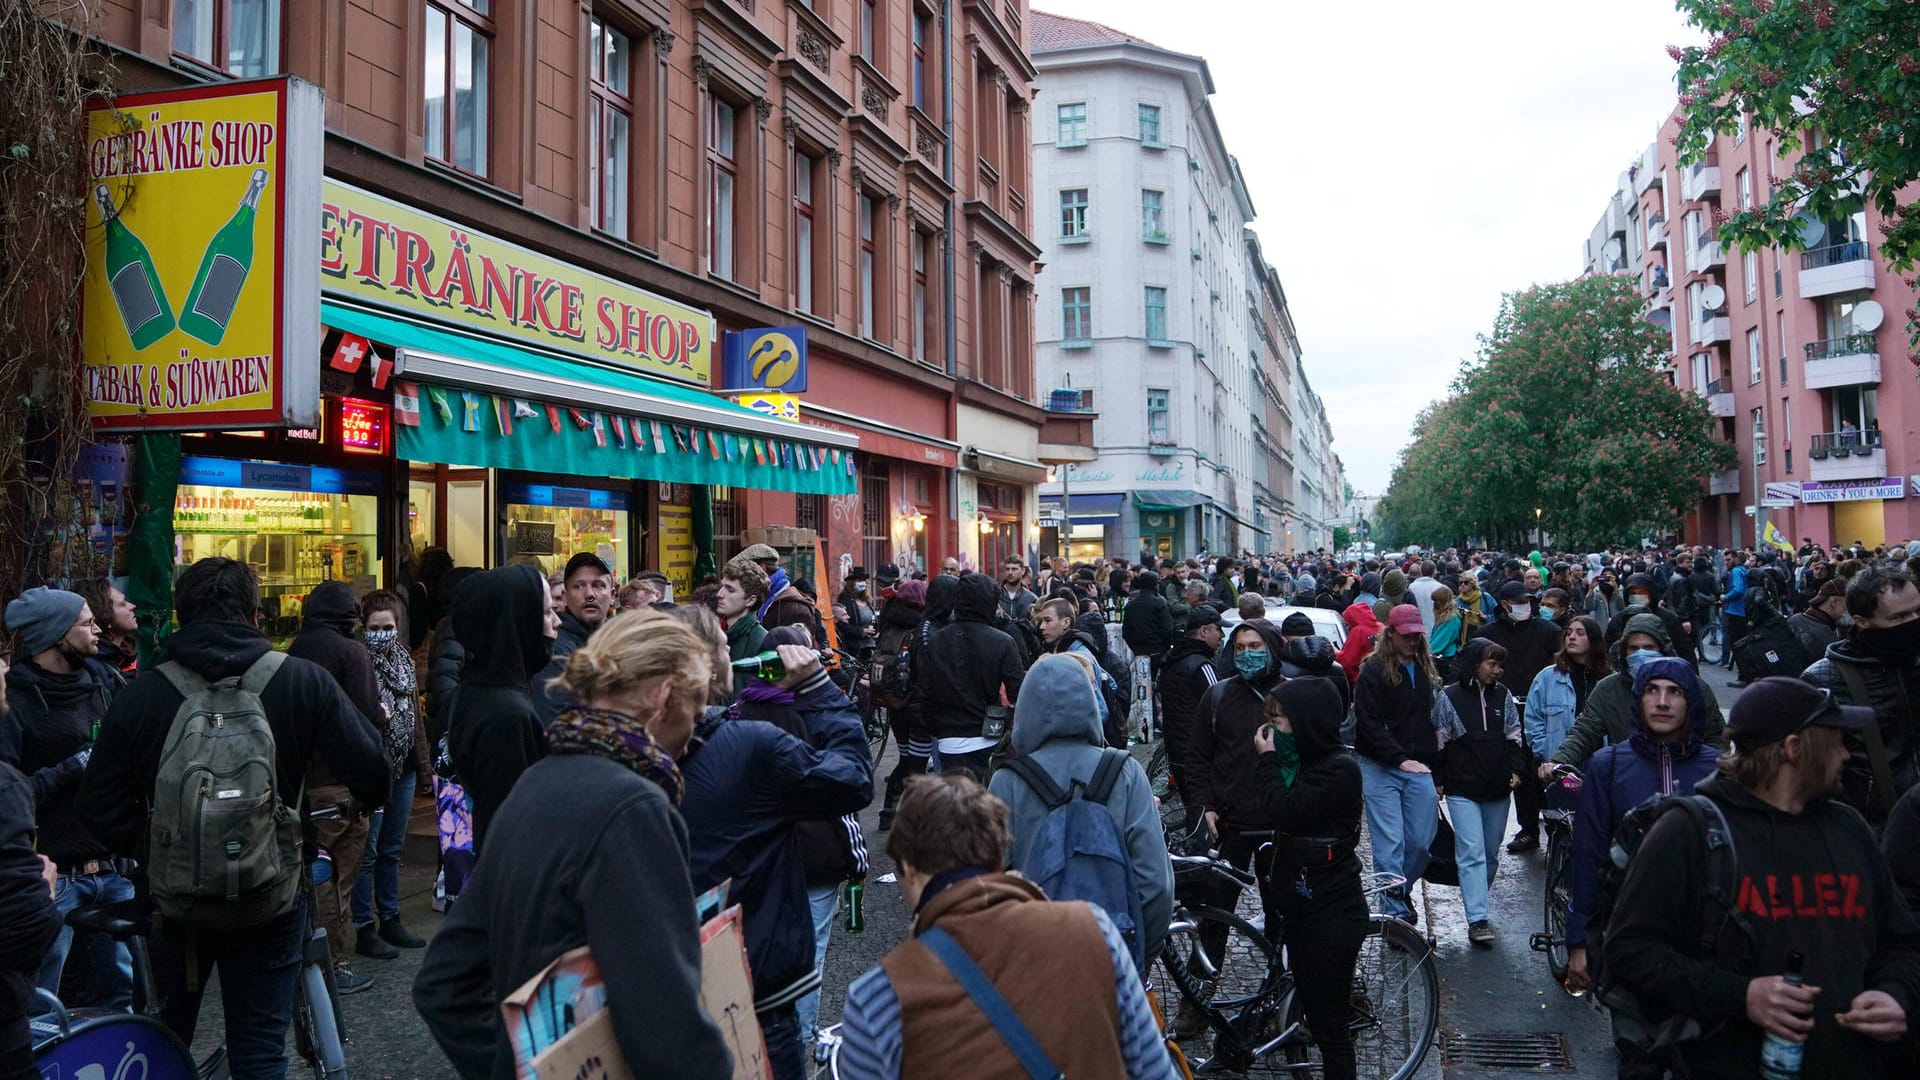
x=1897, y=645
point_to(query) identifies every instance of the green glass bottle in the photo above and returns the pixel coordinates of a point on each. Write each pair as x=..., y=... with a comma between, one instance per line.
x=133, y=278
x=223, y=270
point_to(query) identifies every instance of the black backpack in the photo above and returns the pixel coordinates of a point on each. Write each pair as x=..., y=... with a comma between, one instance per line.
x=1649, y=1027
x=894, y=689
x=1772, y=649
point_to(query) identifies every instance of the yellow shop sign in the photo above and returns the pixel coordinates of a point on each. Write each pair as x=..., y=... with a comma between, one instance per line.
x=381, y=252
x=200, y=306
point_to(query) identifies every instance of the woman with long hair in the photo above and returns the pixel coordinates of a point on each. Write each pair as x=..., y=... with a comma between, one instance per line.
x=1394, y=736
x=1481, y=763
x=1449, y=630
x=1559, y=692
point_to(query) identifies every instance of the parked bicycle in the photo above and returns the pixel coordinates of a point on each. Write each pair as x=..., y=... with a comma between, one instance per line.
x=1248, y=999
x=1557, y=818
x=1712, y=638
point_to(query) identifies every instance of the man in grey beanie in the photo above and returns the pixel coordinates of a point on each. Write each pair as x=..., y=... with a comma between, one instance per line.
x=57, y=694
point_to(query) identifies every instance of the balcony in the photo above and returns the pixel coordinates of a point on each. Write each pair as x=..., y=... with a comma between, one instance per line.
x=1836, y=268
x=1711, y=327
x=1706, y=255
x=1067, y=433
x=1853, y=360
x=1725, y=482
x=1656, y=234
x=1719, y=395
x=1701, y=181
x=1847, y=455
x=1646, y=172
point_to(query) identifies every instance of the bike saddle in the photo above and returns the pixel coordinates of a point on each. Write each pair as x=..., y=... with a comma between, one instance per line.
x=119, y=921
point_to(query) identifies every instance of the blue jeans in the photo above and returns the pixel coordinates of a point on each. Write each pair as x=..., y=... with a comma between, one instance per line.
x=825, y=901
x=780, y=1028
x=112, y=963
x=377, y=889
x=1403, y=813
x=1478, y=829
x=259, y=969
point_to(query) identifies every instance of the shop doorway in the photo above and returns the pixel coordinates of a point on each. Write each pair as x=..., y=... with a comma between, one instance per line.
x=467, y=520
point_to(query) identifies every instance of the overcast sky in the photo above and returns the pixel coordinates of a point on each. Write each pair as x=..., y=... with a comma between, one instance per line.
x=1412, y=161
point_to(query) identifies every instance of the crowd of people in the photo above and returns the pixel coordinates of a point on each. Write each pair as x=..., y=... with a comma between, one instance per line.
x=610, y=748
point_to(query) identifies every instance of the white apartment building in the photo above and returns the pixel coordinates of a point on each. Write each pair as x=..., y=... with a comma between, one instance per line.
x=1148, y=306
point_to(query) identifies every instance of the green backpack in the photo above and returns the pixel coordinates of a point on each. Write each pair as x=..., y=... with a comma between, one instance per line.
x=224, y=848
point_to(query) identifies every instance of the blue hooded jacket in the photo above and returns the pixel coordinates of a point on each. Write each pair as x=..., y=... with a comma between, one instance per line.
x=1624, y=775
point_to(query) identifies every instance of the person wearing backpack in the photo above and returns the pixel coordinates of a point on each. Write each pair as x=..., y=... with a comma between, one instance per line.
x=1084, y=823
x=992, y=964
x=1796, y=871
x=1666, y=753
x=1060, y=632
x=1310, y=793
x=141, y=800
x=962, y=674
x=897, y=630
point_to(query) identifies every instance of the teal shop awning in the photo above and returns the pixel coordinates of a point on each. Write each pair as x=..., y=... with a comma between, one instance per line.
x=685, y=435
x=1160, y=500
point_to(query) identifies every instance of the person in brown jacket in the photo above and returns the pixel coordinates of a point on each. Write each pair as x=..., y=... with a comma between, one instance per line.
x=1061, y=967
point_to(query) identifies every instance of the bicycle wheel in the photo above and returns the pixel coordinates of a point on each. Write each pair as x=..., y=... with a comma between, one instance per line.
x=319, y=1026
x=1396, y=1004
x=878, y=728
x=1559, y=893
x=1160, y=775
x=1713, y=644
x=1246, y=992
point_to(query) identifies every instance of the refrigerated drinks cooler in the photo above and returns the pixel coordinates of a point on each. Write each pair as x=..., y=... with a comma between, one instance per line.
x=547, y=525
x=296, y=525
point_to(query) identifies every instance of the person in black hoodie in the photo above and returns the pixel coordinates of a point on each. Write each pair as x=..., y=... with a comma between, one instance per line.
x=445, y=657
x=216, y=601
x=589, y=850
x=1147, y=625
x=1481, y=762
x=1808, y=878
x=506, y=621
x=1188, y=675
x=1531, y=643
x=966, y=668
x=28, y=919
x=1305, y=654
x=1393, y=734
x=326, y=637
x=896, y=631
x=1309, y=790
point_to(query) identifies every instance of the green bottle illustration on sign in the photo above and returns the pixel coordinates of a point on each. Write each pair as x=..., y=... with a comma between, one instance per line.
x=223, y=270
x=133, y=279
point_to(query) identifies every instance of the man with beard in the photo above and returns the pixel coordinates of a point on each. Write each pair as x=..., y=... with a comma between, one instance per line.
x=588, y=592
x=57, y=695
x=1878, y=667
x=1807, y=881
x=113, y=613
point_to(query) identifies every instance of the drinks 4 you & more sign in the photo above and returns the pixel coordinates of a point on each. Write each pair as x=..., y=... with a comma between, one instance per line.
x=201, y=307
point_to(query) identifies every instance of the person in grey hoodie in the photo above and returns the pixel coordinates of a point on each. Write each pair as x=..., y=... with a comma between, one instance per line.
x=1057, y=723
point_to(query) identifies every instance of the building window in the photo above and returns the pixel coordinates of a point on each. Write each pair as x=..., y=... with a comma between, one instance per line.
x=239, y=37
x=869, y=29
x=727, y=516
x=459, y=41
x=1743, y=183
x=1076, y=314
x=802, y=232
x=920, y=60
x=1759, y=421
x=723, y=177
x=1072, y=125
x=865, y=211
x=922, y=317
x=1153, y=216
x=1750, y=270
x=1159, y=418
x=1150, y=134
x=1073, y=214
x=810, y=512
x=612, y=124
x=876, y=546
x=1756, y=367
x=1156, y=302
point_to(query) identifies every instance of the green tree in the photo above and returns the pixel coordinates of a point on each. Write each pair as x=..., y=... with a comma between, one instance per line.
x=1342, y=538
x=1837, y=81
x=1568, y=409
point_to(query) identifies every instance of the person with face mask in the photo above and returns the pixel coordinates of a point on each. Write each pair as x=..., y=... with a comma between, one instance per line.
x=57, y=696
x=378, y=931
x=1607, y=717
x=1643, y=596
x=1531, y=642
x=1877, y=666
x=592, y=830
x=1825, y=621
x=1481, y=761
x=506, y=620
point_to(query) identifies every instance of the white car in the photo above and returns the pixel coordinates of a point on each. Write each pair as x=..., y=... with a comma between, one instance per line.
x=1328, y=624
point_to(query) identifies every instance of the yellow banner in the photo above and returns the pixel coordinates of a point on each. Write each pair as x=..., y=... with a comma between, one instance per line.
x=187, y=306
x=778, y=406
x=378, y=251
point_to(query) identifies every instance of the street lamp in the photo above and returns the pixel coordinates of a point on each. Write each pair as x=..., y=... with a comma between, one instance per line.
x=986, y=525
x=1537, y=537
x=919, y=521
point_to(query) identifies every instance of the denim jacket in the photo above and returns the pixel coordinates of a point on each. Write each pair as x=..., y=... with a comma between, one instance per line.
x=1550, y=711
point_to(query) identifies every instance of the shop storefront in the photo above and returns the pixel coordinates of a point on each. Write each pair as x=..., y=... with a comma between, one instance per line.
x=1090, y=523
x=1862, y=510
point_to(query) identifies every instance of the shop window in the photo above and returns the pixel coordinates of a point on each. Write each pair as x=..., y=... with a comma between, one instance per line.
x=727, y=516
x=611, y=54
x=875, y=543
x=459, y=46
x=239, y=37
x=723, y=177
x=548, y=525
x=422, y=522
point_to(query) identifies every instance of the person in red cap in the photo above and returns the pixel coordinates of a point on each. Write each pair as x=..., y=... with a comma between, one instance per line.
x=1398, y=749
x=1808, y=881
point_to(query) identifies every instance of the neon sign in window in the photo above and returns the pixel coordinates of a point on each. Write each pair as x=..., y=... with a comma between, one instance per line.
x=363, y=427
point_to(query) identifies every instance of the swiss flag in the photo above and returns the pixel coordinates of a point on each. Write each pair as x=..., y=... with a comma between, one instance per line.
x=350, y=353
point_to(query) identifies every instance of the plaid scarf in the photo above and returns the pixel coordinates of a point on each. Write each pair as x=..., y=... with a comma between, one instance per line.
x=608, y=734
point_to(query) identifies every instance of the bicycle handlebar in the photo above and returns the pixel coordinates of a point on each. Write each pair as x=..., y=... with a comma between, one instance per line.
x=1212, y=861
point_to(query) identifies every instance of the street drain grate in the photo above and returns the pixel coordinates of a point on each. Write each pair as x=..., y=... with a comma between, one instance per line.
x=1527, y=1051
